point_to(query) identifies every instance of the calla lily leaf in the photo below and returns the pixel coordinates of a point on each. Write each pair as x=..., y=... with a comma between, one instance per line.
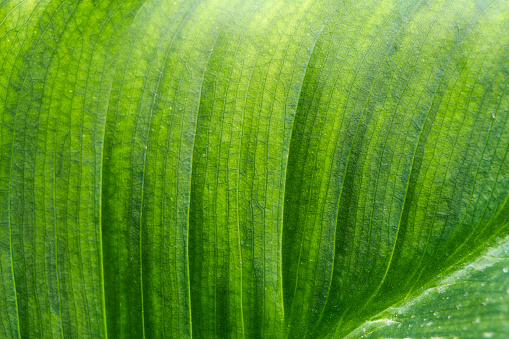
x=254, y=169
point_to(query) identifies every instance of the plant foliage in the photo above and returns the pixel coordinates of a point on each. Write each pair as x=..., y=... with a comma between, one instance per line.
x=254, y=168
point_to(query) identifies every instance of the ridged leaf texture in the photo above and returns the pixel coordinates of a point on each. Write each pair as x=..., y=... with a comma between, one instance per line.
x=254, y=169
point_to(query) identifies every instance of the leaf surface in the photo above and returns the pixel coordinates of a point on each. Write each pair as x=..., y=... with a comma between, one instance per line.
x=254, y=169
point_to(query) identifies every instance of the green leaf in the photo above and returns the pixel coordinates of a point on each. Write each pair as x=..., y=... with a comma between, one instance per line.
x=469, y=300
x=254, y=169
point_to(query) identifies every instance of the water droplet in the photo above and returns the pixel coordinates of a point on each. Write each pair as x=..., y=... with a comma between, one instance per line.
x=488, y=335
x=389, y=321
x=477, y=320
x=506, y=269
